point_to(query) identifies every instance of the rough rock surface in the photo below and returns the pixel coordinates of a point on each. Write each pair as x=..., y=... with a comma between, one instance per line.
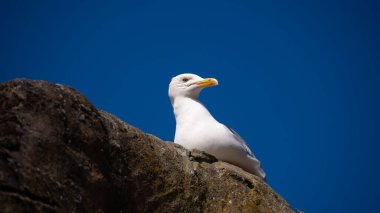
x=58, y=153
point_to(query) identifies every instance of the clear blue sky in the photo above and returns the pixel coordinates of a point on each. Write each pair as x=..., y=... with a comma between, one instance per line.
x=299, y=80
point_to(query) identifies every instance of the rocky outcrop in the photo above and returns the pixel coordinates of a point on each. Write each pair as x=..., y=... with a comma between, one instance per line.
x=58, y=153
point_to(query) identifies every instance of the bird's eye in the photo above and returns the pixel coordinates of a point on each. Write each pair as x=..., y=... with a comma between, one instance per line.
x=185, y=79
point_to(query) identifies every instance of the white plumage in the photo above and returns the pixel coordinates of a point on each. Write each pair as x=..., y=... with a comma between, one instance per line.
x=196, y=128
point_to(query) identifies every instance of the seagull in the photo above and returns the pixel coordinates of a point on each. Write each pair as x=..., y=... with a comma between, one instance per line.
x=196, y=128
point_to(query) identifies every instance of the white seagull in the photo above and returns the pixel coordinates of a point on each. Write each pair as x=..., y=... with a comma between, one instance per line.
x=197, y=129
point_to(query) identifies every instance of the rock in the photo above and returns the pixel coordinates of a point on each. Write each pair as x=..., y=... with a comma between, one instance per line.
x=58, y=153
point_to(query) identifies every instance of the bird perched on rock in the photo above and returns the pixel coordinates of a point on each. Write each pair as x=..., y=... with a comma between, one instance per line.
x=196, y=128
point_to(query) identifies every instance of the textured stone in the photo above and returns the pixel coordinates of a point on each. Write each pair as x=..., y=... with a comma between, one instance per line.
x=58, y=153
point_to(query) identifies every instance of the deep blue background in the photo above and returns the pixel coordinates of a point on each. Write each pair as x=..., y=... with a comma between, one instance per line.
x=298, y=80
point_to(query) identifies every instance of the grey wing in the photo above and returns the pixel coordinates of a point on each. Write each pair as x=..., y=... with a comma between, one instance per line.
x=257, y=168
x=241, y=141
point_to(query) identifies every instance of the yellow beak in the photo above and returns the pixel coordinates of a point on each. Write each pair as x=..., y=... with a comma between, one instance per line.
x=207, y=82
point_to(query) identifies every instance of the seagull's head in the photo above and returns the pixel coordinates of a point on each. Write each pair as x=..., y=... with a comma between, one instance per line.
x=189, y=85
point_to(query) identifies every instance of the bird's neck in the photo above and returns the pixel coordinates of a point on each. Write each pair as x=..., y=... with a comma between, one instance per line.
x=189, y=110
